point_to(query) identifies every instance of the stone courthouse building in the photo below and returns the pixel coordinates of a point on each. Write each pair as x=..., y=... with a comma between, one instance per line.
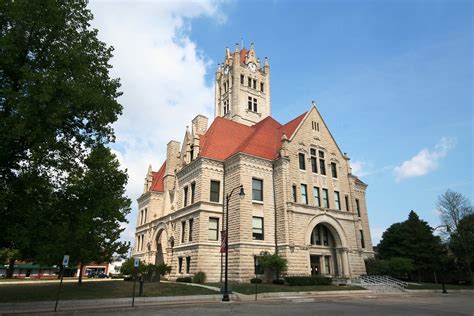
x=301, y=198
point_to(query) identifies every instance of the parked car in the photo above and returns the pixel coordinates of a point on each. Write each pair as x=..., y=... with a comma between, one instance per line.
x=102, y=275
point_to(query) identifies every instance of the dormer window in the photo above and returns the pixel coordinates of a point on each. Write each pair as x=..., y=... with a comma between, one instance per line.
x=261, y=86
x=249, y=82
x=255, y=104
x=250, y=103
x=255, y=84
x=242, y=79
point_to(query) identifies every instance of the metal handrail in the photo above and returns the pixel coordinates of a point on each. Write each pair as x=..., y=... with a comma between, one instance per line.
x=381, y=283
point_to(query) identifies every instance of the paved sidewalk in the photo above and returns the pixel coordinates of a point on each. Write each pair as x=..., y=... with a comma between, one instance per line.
x=71, y=305
x=197, y=300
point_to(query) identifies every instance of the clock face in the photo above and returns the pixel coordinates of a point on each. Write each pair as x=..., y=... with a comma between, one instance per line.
x=252, y=67
x=226, y=70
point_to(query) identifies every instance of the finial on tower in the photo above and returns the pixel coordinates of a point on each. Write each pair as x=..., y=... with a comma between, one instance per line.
x=313, y=103
x=237, y=48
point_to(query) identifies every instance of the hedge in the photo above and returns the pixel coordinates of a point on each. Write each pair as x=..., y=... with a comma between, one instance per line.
x=308, y=280
x=255, y=280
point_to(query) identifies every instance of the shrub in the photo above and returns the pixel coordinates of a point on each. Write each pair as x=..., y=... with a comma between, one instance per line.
x=274, y=262
x=128, y=278
x=279, y=281
x=199, y=277
x=308, y=280
x=184, y=279
x=255, y=280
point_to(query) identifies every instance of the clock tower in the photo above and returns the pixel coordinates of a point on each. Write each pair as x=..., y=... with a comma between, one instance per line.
x=243, y=87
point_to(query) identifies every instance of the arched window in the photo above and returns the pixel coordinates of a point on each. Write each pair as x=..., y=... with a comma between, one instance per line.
x=322, y=236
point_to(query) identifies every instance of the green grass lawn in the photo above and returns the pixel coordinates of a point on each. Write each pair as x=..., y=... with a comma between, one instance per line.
x=249, y=288
x=92, y=290
x=434, y=286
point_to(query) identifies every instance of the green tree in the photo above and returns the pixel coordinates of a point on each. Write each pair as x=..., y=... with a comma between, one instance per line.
x=413, y=239
x=57, y=103
x=273, y=263
x=462, y=243
x=96, y=209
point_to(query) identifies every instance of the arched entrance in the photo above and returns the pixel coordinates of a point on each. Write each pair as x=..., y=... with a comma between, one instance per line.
x=323, y=255
x=161, y=246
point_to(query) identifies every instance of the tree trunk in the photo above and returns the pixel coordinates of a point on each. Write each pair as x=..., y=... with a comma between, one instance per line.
x=10, y=269
x=81, y=267
x=469, y=270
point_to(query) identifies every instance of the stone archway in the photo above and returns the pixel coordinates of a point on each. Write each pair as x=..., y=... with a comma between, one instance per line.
x=327, y=244
x=160, y=245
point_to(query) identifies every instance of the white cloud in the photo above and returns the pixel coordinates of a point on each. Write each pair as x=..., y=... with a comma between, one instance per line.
x=359, y=168
x=423, y=162
x=162, y=73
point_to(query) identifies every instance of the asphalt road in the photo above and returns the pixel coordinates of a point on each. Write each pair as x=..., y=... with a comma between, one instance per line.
x=426, y=304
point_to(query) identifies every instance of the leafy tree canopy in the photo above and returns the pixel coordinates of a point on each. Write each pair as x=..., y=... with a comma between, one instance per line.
x=57, y=106
x=412, y=239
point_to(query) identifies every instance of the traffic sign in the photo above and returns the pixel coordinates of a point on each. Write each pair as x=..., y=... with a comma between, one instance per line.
x=136, y=263
x=66, y=260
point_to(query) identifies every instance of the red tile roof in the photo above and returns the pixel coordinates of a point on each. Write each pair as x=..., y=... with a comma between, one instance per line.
x=243, y=53
x=225, y=138
x=157, y=179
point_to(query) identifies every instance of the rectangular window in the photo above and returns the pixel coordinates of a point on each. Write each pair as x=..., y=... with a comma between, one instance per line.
x=337, y=200
x=257, y=228
x=183, y=231
x=146, y=213
x=255, y=105
x=325, y=236
x=185, y=196
x=314, y=161
x=325, y=198
x=180, y=265
x=249, y=82
x=293, y=192
x=346, y=198
x=258, y=268
x=193, y=192
x=250, y=103
x=357, y=207
x=304, y=194
x=322, y=164
x=188, y=264
x=316, y=236
x=215, y=191
x=241, y=79
x=301, y=161
x=362, y=241
x=317, y=199
x=191, y=222
x=257, y=189
x=213, y=228
x=333, y=170
x=255, y=84
x=261, y=86
x=327, y=265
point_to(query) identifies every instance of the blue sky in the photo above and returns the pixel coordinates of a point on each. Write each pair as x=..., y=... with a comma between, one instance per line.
x=392, y=79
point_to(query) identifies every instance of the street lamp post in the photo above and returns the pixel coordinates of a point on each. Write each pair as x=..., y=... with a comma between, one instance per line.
x=443, y=287
x=225, y=297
